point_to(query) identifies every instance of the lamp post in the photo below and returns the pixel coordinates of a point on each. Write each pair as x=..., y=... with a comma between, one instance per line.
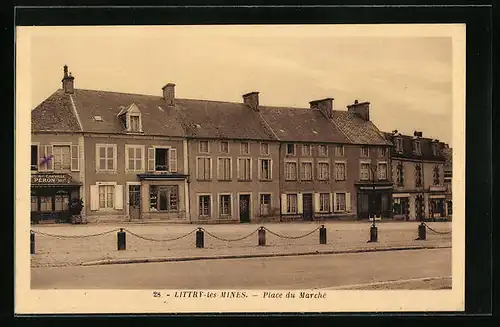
x=373, y=228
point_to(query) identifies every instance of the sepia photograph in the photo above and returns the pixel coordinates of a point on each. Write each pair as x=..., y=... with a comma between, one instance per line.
x=240, y=168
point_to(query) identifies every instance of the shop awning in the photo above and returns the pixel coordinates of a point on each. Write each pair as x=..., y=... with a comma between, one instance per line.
x=400, y=195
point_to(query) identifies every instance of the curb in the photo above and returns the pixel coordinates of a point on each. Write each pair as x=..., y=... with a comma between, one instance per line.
x=257, y=255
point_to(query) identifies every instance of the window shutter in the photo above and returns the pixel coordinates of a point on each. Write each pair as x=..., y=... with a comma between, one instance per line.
x=119, y=197
x=49, y=150
x=75, y=162
x=41, y=154
x=334, y=202
x=332, y=209
x=211, y=168
x=94, y=197
x=316, y=202
x=348, y=202
x=283, y=203
x=259, y=169
x=238, y=176
x=151, y=159
x=172, y=160
x=345, y=170
x=300, y=208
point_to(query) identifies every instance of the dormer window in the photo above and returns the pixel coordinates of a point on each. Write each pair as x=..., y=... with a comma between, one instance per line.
x=399, y=145
x=416, y=147
x=435, y=149
x=135, y=123
x=131, y=118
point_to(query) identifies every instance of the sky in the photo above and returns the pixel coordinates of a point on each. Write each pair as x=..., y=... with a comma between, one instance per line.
x=406, y=77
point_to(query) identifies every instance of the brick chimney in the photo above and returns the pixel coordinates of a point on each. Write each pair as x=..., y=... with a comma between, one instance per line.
x=68, y=81
x=362, y=109
x=323, y=105
x=169, y=94
x=252, y=100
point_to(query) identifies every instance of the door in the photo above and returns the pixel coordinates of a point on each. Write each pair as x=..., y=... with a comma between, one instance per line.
x=134, y=201
x=307, y=207
x=244, y=208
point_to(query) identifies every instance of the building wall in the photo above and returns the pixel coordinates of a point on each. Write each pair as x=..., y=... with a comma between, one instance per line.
x=234, y=187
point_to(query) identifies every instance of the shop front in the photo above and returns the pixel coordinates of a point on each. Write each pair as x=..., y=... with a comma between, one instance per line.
x=51, y=196
x=401, y=206
x=374, y=200
x=437, y=207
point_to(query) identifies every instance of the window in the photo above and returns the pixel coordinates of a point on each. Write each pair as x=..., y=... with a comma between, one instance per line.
x=224, y=169
x=62, y=157
x=435, y=149
x=204, y=147
x=340, y=203
x=365, y=151
x=418, y=176
x=291, y=203
x=106, y=157
x=244, y=148
x=264, y=148
x=265, y=169
x=161, y=159
x=244, y=168
x=382, y=152
x=106, y=196
x=382, y=171
x=323, y=150
x=164, y=198
x=34, y=157
x=225, y=205
x=306, y=171
x=401, y=206
x=339, y=150
x=340, y=171
x=61, y=202
x=399, y=145
x=323, y=171
x=224, y=147
x=364, y=171
x=204, y=168
x=436, y=175
x=46, y=204
x=306, y=150
x=265, y=204
x=416, y=147
x=400, y=174
x=290, y=149
x=135, y=158
x=291, y=171
x=449, y=205
x=324, y=202
x=34, y=203
x=204, y=206
x=135, y=125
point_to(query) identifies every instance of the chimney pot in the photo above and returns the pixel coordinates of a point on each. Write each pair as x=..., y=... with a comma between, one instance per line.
x=68, y=83
x=169, y=94
x=252, y=100
x=355, y=101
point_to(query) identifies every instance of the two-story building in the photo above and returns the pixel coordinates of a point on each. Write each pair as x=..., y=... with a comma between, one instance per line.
x=418, y=175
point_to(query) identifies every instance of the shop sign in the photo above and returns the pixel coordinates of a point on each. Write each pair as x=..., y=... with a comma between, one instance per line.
x=50, y=179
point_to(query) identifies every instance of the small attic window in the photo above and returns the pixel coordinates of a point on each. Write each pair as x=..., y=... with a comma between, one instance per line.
x=131, y=118
x=98, y=118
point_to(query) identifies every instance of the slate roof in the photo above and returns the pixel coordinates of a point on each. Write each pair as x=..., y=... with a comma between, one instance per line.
x=358, y=130
x=425, y=147
x=55, y=114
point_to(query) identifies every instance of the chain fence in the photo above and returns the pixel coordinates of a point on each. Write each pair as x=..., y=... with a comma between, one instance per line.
x=160, y=240
x=290, y=237
x=75, y=236
x=226, y=239
x=436, y=231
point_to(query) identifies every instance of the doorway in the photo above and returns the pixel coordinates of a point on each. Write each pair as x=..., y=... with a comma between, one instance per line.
x=307, y=205
x=134, y=201
x=244, y=208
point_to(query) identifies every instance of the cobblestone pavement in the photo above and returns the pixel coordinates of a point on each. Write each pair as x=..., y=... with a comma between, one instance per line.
x=152, y=240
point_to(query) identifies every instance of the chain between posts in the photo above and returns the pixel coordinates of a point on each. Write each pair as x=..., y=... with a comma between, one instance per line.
x=291, y=237
x=161, y=240
x=435, y=231
x=75, y=236
x=228, y=240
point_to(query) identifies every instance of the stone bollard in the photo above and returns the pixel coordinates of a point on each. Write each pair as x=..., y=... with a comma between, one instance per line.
x=373, y=234
x=262, y=236
x=121, y=240
x=32, y=242
x=422, y=232
x=322, y=235
x=200, y=238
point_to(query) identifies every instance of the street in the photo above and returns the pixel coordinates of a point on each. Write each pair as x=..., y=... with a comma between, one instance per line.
x=296, y=272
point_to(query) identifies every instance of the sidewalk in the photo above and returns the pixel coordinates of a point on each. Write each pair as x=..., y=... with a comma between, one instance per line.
x=144, y=242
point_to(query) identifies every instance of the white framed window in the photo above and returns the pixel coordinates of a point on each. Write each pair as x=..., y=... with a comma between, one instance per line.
x=224, y=147
x=135, y=123
x=134, y=158
x=306, y=150
x=382, y=152
x=324, y=202
x=291, y=203
x=265, y=169
x=364, y=171
x=265, y=204
x=339, y=150
x=203, y=168
x=323, y=150
x=244, y=148
x=204, y=147
x=224, y=169
x=340, y=202
x=365, y=151
x=225, y=209
x=244, y=169
x=290, y=149
x=164, y=198
x=62, y=157
x=323, y=171
x=205, y=205
x=306, y=170
x=264, y=148
x=290, y=170
x=162, y=158
x=340, y=171
x=46, y=204
x=106, y=196
x=61, y=202
x=106, y=157
x=382, y=170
